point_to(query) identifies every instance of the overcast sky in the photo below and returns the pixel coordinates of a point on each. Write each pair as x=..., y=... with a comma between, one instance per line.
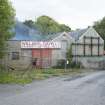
x=75, y=13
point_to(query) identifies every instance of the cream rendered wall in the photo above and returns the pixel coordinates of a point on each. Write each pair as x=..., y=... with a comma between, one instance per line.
x=90, y=33
x=95, y=62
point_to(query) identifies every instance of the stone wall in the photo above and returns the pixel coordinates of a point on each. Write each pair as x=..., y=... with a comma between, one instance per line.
x=25, y=55
x=91, y=62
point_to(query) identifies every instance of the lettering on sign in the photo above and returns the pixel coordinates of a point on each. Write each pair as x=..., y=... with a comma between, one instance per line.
x=34, y=44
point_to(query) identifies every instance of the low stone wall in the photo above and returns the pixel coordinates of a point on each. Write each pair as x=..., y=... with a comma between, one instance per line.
x=91, y=62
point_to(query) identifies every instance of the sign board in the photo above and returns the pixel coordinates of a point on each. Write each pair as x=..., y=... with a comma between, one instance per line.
x=34, y=44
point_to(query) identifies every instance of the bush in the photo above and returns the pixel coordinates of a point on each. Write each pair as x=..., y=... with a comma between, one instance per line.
x=60, y=64
x=75, y=65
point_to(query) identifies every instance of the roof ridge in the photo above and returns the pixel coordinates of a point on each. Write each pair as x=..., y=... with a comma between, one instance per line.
x=77, y=33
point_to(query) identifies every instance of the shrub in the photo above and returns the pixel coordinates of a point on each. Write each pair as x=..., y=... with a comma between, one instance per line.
x=75, y=65
x=60, y=64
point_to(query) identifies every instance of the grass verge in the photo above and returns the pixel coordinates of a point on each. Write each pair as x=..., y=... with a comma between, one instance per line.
x=25, y=77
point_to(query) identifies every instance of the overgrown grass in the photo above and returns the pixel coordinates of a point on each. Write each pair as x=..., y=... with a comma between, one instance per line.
x=24, y=77
x=10, y=77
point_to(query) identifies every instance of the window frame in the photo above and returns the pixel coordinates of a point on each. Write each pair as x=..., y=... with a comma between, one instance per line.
x=15, y=56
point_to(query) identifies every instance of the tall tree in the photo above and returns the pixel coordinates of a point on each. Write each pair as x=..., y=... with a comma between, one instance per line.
x=47, y=25
x=65, y=28
x=6, y=23
x=29, y=23
x=69, y=55
x=100, y=27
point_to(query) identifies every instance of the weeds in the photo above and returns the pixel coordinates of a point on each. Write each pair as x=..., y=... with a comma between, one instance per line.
x=22, y=77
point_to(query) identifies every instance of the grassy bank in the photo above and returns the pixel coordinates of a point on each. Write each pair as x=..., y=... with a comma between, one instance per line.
x=24, y=77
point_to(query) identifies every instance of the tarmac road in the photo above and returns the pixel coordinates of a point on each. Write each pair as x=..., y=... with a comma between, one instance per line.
x=86, y=90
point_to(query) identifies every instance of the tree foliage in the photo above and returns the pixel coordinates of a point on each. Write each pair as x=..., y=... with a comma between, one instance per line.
x=29, y=23
x=100, y=27
x=65, y=28
x=6, y=22
x=69, y=57
x=69, y=54
x=47, y=25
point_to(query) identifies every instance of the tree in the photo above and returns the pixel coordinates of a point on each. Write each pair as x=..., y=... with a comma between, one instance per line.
x=29, y=23
x=47, y=25
x=69, y=55
x=100, y=27
x=65, y=28
x=6, y=23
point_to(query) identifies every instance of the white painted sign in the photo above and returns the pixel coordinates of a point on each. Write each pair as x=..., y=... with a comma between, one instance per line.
x=34, y=44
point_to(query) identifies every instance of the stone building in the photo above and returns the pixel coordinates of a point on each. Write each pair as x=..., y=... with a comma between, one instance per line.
x=30, y=47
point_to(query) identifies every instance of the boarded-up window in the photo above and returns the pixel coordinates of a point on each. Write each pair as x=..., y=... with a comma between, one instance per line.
x=15, y=55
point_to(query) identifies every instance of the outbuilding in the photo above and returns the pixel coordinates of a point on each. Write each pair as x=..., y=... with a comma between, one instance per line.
x=88, y=48
x=29, y=47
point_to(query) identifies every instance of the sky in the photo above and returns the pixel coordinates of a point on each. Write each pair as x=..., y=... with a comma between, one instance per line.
x=74, y=13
